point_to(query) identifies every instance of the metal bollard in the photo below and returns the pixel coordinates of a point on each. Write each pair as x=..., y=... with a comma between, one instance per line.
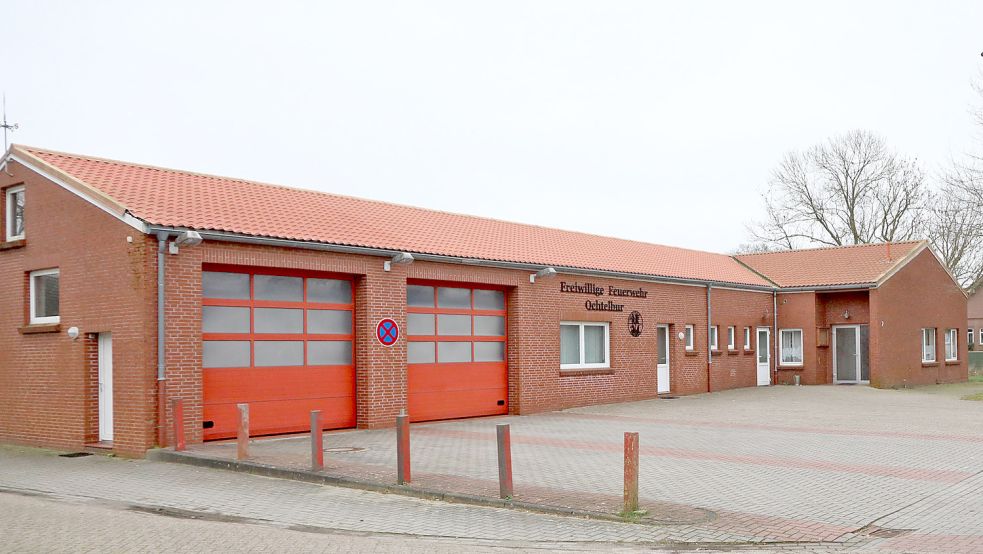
x=631, y=473
x=402, y=449
x=242, y=447
x=177, y=417
x=504, y=460
x=317, y=441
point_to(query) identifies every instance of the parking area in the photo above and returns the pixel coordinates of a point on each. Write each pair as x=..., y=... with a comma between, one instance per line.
x=820, y=463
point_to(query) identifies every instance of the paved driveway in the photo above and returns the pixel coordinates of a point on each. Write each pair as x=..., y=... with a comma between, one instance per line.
x=827, y=463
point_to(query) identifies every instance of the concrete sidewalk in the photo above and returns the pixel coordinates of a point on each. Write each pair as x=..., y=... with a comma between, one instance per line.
x=779, y=464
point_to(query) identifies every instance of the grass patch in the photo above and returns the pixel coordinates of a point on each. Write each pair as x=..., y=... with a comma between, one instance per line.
x=977, y=397
x=976, y=377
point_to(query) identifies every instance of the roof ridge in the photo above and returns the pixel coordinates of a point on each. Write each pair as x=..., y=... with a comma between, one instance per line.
x=355, y=198
x=841, y=247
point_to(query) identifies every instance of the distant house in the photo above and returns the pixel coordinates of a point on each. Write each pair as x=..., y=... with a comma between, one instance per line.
x=974, y=313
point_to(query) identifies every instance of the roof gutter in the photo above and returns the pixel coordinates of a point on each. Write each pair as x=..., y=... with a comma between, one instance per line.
x=223, y=236
x=856, y=286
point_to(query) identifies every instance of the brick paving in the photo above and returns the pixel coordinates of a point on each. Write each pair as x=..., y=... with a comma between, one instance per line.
x=775, y=464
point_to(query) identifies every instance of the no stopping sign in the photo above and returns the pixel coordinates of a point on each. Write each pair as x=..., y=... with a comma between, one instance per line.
x=387, y=332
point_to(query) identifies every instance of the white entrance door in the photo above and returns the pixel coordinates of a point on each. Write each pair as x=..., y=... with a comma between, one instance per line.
x=763, y=355
x=105, y=386
x=846, y=354
x=662, y=375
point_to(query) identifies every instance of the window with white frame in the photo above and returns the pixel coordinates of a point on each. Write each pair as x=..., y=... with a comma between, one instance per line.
x=44, y=296
x=731, y=338
x=790, y=347
x=713, y=337
x=928, y=344
x=981, y=336
x=951, y=345
x=14, y=218
x=969, y=337
x=689, y=336
x=584, y=345
x=747, y=338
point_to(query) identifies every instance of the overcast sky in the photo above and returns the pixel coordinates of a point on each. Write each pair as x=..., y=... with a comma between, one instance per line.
x=655, y=121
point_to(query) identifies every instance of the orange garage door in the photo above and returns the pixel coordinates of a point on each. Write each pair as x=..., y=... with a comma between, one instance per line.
x=456, y=351
x=280, y=341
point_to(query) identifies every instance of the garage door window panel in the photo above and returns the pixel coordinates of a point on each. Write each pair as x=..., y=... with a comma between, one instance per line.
x=282, y=321
x=329, y=353
x=329, y=322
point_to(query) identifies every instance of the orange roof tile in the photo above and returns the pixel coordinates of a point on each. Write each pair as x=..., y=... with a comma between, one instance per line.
x=822, y=267
x=174, y=198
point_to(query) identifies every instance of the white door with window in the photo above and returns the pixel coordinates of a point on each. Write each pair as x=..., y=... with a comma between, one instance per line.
x=763, y=356
x=662, y=373
x=105, y=386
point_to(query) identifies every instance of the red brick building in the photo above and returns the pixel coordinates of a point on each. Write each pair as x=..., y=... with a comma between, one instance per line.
x=125, y=287
x=974, y=327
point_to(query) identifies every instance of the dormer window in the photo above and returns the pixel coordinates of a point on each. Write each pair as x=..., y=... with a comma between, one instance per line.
x=14, y=218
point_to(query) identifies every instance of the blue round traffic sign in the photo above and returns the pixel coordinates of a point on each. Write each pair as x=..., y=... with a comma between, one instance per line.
x=387, y=332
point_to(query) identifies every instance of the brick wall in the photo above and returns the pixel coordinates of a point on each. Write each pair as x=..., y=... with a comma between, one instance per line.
x=46, y=379
x=920, y=295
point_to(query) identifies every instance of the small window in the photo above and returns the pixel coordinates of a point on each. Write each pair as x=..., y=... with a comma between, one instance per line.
x=218, y=284
x=329, y=291
x=15, y=213
x=448, y=297
x=951, y=345
x=981, y=336
x=713, y=337
x=419, y=296
x=790, y=346
x=969, y=338
x=420, y=324
x=689, y=337
x=489, y=299
x=928, y=344
x=731, y=338
x=747, y=338
x=278, y=287
x=453, y=352
x=44, y=296
x=584, y=345
x=337, y=352
x=421, y=353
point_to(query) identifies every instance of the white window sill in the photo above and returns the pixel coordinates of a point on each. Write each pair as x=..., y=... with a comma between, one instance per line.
x=45, y=320
x=577, y=367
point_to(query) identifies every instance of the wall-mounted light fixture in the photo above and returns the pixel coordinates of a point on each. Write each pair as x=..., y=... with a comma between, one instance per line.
x=186, y=238
x=400, y=258
x=73, y=333
x=544, y=273
x=846, y=314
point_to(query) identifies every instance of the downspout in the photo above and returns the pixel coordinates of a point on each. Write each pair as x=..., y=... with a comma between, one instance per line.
x=161, y=348
x=709, y=325
x=774, y=296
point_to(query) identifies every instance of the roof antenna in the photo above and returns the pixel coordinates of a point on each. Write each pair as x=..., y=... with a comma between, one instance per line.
x=7, y=127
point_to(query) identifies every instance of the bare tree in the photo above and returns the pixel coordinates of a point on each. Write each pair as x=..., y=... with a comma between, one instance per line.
x=956, y=227
x=849, y=190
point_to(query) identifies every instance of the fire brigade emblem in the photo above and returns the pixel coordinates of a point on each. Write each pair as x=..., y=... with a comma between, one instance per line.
x=635, y=324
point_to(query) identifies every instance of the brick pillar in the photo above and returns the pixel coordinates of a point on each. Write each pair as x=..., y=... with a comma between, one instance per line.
x=380, y=371
x=534, y=347
x=183, y=336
